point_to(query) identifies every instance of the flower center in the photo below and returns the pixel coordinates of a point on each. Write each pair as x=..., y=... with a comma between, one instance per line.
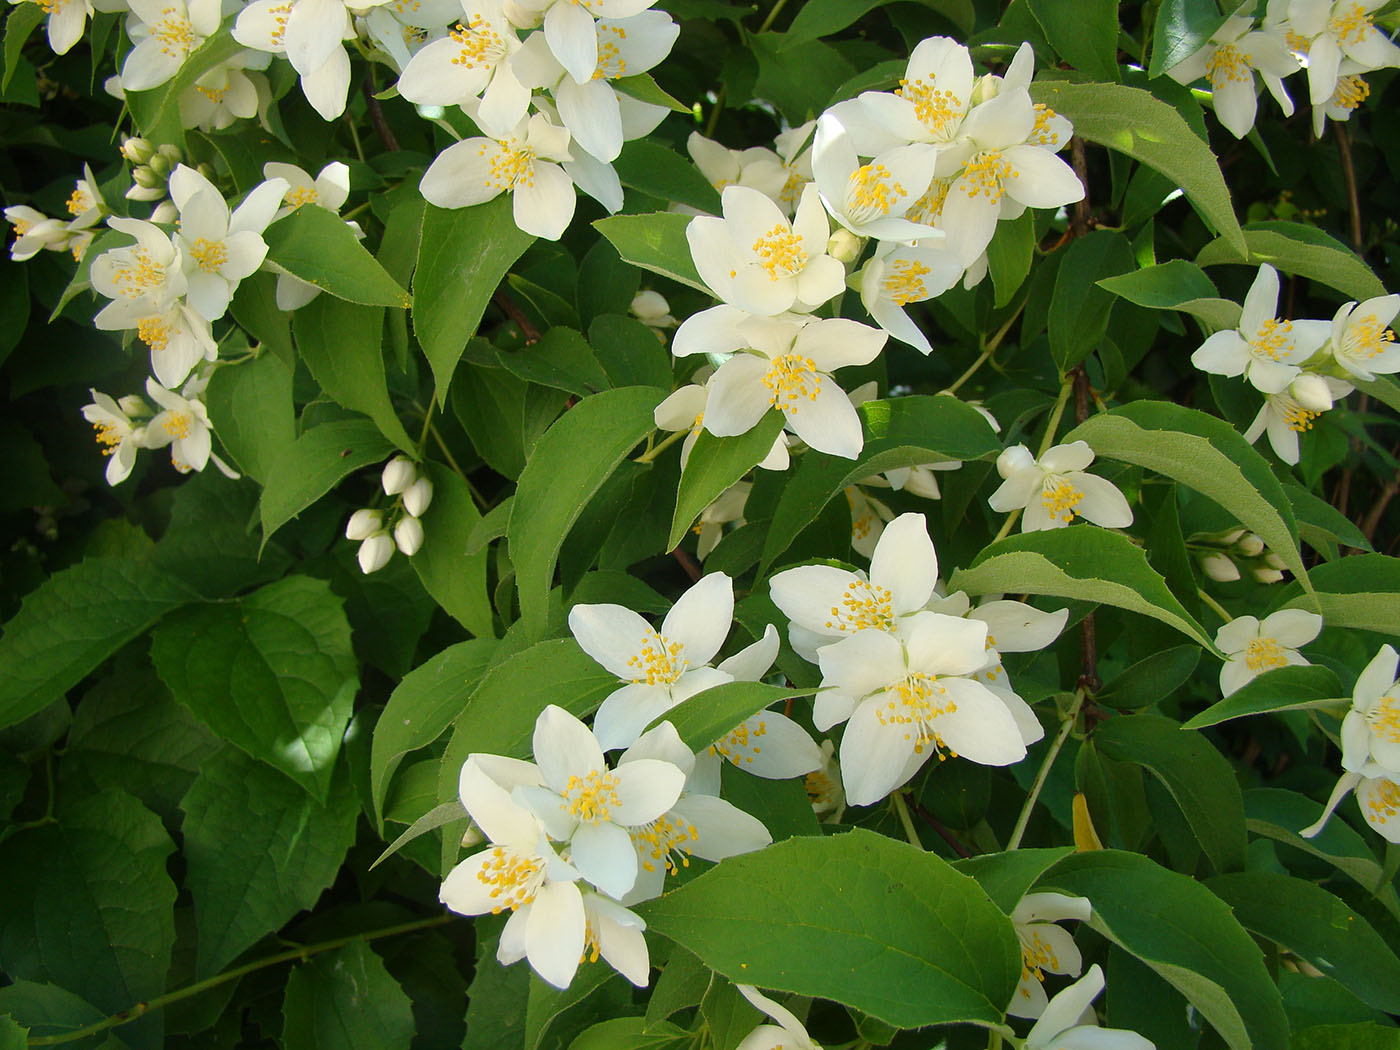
x=1227, y=65
x=80, y=201
x=1351, y=92
x=792, y=188
x=985, y=173
x=109, y=436
x=210, y=255
x=480, y=44
x=659, y=659
x=280, y=13
x=1273, y=340
x=589, y=798
x=1037, y=956
x=1366, y=338
x=938, y=111
x=872, y=191
x=905, y=282
x=916, y=702
x=139, y=276
x=513, y=165
x=1060, y=499
x=1384, y=802
x=666, y=841
x=780, y=252
x=213, y=94
x=740, y=745
x=863, y=605
x=177, y=425
x=1044, y=133
x=821, y=789
x=611, y=64
x=512, y=877
x=1296, y=42
x=791, y=378
x=1384, y=719
x=154, y=332
x=1297, y=417
x=300, y=195
x=174, y=32
x=1351, y=26
x=929, y=207
x=1264, y=654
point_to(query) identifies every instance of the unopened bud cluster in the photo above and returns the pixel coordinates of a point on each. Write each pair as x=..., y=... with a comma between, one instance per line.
x=379, y=532
x=1232, y=554
x=151, y=167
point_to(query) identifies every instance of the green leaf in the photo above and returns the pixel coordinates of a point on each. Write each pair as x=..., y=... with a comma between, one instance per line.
x=1083, y=562
x=1295, y=248
x=253, y=403
x=900, y=432
x=157, y=111
x=437, y=817
x=641, y=86
x=1361, y=591
x=346, y=1000
x=421, y=708
x=1195, y=774
x=569, y=464
x=272, y=673
x=547, y=1004
x=561, y=359
x=455, y=577
x=13, y=1036
x=1079, y=308
x=1282, y=689
x=1366, y=1035
x=1007, y=877
x=317, y=246
x=1186, y=934
x=314, y=464
x=211, y=542
x=1137, y=124
x=1383, y=388
x=628, y=350
x=1321, y=524
x=1009, y=256
x=73, y=621
x=254, y=306
x=663, y=173
x=1183, y=27
x=23, y=20
x=258, y=850
x=88, y=902
x=654, y=242
x=1084, y=35
x=1150, y=679
x=716, y=463
x=342, y=345
x=631, y=1033
x=711, y=714
x=1163, y=287
x=1316, y=926
x=1203, y=453
x=819, y=18
x=944, y=954
x=462, y=257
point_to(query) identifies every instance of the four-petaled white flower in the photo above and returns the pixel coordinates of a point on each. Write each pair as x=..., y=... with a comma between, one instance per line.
x=1362, y=342
x=1054, y=489
x=571, y=27
x=1371, y=729
x=165, y=33
x=1062, y=1026
x=141, y=279
x=309, y=33
x=471, y=61
x=663, y=667
x=870, y=199
x=1045, y=947
x=1286, y=415
x=1331, y=32
x=1252, y=646
x=1264, y=349
x=183, y=424
x=1228, y=60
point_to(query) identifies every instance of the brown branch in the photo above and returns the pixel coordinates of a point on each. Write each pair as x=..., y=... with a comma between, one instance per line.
x=1349, y=177
x=515, y=313
x=1372, y=521
x=1088, y=638
x=376, y=117
x=961, y=849
x=689, y=564
x=1081, y=222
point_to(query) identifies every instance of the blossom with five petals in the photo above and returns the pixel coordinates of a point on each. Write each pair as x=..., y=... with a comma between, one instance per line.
x=1252, y=646
x=571, y=27
x=1228, y=60
x=1054, y=489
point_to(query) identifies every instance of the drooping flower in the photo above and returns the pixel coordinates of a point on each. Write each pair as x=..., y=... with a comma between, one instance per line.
x=66, y=20
x=1379, y=799
x=1060, y=1027
x=309, y=33
x=1252, y=646
x=726, y=509
x=1362, y=342
x=1287, y=414
x=118, y=435
x=1371, y=729
x=35, y=232
x=1330, y=32
x=178, y=337
x=1054, y=489
x=1045, y=947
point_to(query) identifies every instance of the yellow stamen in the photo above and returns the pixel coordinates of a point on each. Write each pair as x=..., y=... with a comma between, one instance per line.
x=1273, y=339
x=513, y=878
x=1264, y=654
x=154, y=332
x=938, y=111
x=905, y=282
x=1228, y=65
x=916, y=702
x=872, y=191
x=985, y=174
x=780, y=252
x=791, y=378
x=658, y=659
x=210, y=255
x=1060, y=499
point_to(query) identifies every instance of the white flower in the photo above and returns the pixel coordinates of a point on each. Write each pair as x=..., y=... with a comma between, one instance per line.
x=908, y=699
x=327, y=190
x=521, y=161
x=178, y=337
x=1286, y=415
x=727, y=508
x=472, y=61
x=1371, y=729
x=898, y=275
x=582, y=802
x=570, y=27
x=165, y=33
x=183, y=424
x=1265, y=350
x=868, y=519
x=1350, y=92
x=615, y=933
x=756, y=167
x=870, y=199
x=651, y=308
x=66, y=21
x=933, y=96
x=757, y=260
x=1252, y=647
x=684, y=409
x=1045, y=947
x=1068, y=1023
x=226, y=93
x=1054, y=489
x=219, y=249
x=364, y=523
x=143, y=278
x=823, y=787
x=1228, y=60
x=1362, y=342
x=35, y=232
x=787, y=1034
x=1332, y=31
x=1378, y=797
x=663, y=667
x=309, y=33
x=118, y=436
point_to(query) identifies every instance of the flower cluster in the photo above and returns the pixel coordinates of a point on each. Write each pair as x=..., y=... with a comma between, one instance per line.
x=379, y=531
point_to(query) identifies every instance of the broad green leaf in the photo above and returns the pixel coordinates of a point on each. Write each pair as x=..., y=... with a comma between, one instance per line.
x=900, y=432
x=569, y=464
x=1082, y=562
x=1321, y=524
x=682, y=984
x=546, y=1004
x=944, y=954
x=314, y=464
x=1206, y=454
x=13, y=1035
x=1079, y=308
x=50, y=1010
x=1084, y=35
x=1007, y=877
x=628, y=350
x=729, y=1017
x=714, y=465
x=654, y=242
x=491, y=526
x=496, y=1001
x=1215, y=314
x=1150, y=679
x=1362, y=591
x=212, y=543
x=1282, y=689
x=23, y=20
x=1186, y=934
x=1366, y=1035
x=1183, y=27
x=641, y=86
x=258, y=849
x=1163, y=287
x=463, y=255
x=1139, y=125
x=73, y=621
x=255, y=308
x=663, y=173
x=1316, y=926
x=272, y=673
x=346, y=1000
x=88, y=902
x=1009, y=256
x=800, y=81
x=561, y=359
x=342, y=345
x=422, y=706
x=1295, y=248
x=631, y=1033
x=710, y=715
x=157, y=111
x=317, y=246
x=253, y=403
x=819, y=18
x=1195, y=774
x=454, y=577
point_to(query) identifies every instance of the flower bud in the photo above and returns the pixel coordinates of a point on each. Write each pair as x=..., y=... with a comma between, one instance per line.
x=1311, y=391
x=398, y=475
x=136, y=150
x=985, y=89
x=363, y=524
x=1250, y=545
x=408, y=535
x=649, y=305
x=1264, y=574
x=844, y=246
x=160, y=164
x=134, y=405
x=170, y=153
x=375, y=552
x=472, y=836
x=1273, y=561
x=417, y=497
x=1220, y=568
x=1015, y=458
x=165, y=213
x=148, y=179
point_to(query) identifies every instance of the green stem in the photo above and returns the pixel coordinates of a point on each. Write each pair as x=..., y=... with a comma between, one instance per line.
x=988, y=349
x=714, y=113
x=1044, y=772
x=657, y=449
x=910, y=832
x=427, y=426
x=772, y=14
x=1214, y=605
x=1053, y=427
x=1007, y=525
x=303, y=953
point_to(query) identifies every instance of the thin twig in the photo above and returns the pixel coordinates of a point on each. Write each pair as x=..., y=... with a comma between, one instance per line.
x=515, y=313
x=1349, y=178
x=958, y=846
x=1082, y=219
x=1088, y=638
x=376, y=117
x=1044, y=771
x=689, y=564
x=1373, y=516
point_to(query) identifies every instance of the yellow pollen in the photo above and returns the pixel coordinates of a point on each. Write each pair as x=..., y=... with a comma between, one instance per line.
x=154, y=332
x=860, y=527
x=1043, y=133
x=1296, y=42
x=872, y=191
x=658, y=660
x=936, y=110
x=819, y=786
x=915, y=703
x=1297, y=417
x=1060, y=499
x=302, y=195
x=929, y=207
x=665, y=841
x=480, y=44
x=1365, y=338
x=611, y=64
x=140, y=276
x=791, y=378
x=1228, y=65
x=214, y=95
x=792, y=188
x=905, y=283
x=1384, y=718
x=21, y=227
x=177, y=425
x=51, y=6
x=780, y=252
x=512, y=877
x=1385, y=802
x=1264, y=654
x=1037, y=957
x=985, y=173
x=210, y=255
x=863, y=605
x=1351, y=26
x=512, y=166
x=737, y=744
x=108, y=436
x=174, y=32
x=80, y=201
x=1351, y=92
x=280, y=14
x=590, y=798
x=1273, y=340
